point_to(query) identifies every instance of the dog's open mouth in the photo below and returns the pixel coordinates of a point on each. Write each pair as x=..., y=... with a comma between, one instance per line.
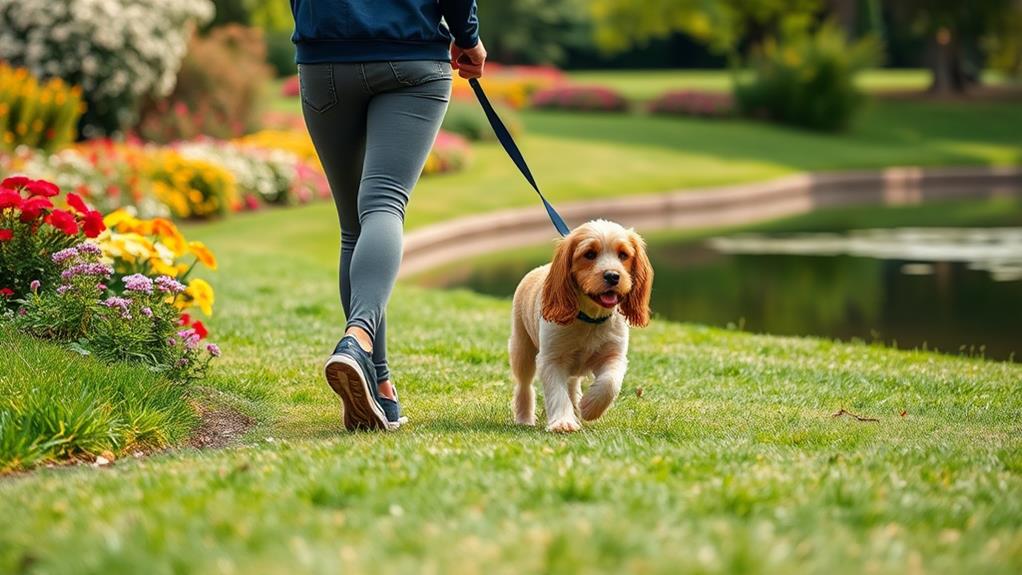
x=607, y=299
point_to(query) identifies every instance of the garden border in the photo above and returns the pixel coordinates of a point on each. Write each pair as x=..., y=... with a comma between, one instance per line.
x=453, y=240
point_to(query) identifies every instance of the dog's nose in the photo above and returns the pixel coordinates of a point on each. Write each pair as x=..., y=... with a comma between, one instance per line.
x=611, y=278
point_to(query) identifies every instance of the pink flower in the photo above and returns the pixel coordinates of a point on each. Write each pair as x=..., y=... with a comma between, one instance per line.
x=213, y=349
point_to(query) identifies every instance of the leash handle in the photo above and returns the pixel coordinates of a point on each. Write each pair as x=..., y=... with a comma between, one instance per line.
x=505, y=139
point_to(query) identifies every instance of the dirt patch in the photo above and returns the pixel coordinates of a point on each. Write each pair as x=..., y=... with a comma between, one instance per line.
x=219, y=426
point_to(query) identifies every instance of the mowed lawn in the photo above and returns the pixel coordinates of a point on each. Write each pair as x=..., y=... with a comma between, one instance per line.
x=720, y=456
x=727, y=461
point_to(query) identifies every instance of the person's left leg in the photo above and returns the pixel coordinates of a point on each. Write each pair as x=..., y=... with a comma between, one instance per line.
x=402, y=124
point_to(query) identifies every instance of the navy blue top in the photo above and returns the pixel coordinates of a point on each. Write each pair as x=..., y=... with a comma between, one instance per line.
x=375, y=30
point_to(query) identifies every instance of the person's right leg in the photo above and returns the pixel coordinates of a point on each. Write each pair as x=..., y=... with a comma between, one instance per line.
x=334, y=102
x=402, y=123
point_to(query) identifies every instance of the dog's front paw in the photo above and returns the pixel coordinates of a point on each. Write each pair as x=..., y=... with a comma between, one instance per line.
x=529, y=420
x=565, y=425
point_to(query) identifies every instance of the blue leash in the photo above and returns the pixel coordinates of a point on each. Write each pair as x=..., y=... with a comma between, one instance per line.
x=504, y=136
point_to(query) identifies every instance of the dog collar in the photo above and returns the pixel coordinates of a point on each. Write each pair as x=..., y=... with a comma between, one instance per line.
x=593, y=320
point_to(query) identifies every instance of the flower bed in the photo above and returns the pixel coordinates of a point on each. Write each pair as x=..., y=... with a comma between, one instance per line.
x=41, y=115
x=117, y=293
x=580, y=98
x=693, y=103
x=511, y=85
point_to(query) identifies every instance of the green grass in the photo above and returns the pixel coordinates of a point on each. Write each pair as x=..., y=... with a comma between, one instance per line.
x=58, y=406
x=728, y=462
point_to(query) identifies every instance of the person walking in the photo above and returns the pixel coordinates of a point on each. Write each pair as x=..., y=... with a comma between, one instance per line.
x=375, y=80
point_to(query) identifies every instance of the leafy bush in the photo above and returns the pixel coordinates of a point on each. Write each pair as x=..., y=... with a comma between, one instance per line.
x=450, y=153
x=217, y=91
x=34, y=114
x=191, y=188
x=280, y=53
x=118, y=51
x=32, y=228
x=807, y=79
x=693, y=103
x=141, y=325
x=580, y=98
x=468, y=120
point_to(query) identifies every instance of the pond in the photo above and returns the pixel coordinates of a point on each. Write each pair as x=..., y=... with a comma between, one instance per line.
x=890, y=275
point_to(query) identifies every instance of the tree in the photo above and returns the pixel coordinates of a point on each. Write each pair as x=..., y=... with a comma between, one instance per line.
x=724, y=25
x=954, y=31
x=531, y=31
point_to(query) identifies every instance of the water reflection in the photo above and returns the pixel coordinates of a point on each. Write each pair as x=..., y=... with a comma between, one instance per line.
x=997, y=251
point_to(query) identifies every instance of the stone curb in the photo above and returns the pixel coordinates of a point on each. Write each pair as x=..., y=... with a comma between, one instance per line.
x=449, y=241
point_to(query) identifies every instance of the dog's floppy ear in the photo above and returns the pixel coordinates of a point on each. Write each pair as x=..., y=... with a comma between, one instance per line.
x=635, y=308
x=560, y=303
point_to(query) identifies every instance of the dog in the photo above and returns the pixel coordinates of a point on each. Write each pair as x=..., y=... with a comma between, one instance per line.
x=570, y=319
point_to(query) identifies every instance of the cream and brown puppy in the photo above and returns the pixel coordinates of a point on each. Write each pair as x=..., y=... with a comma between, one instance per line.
x=570, y=319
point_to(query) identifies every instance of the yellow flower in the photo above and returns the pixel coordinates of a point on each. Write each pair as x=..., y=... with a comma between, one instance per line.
x=170, y=236
x=203, y=254
x=118, y=217
x=200, y=294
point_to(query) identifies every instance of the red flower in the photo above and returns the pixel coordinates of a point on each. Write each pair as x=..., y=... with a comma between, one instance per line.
x=200, y=329
x=185, y=319
x=6, y=235
x=9, y=199
x=76, y=203
x=15, y=182
x=63, y=221
x=93, y=224
x=42, y=188
x=6, y=292
x=33, y=207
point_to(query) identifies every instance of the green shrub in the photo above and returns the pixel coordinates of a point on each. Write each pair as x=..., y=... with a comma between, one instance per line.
x=217, y=91
x=280, y=53
x=807, y=79
x=467, y=119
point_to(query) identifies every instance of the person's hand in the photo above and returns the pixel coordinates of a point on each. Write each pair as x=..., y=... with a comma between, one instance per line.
x=468, y=61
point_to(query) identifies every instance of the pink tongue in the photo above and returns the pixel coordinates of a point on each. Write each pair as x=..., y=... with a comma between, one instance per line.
x=608, y=299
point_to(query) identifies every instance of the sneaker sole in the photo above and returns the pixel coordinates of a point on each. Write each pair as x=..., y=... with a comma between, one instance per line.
x=360, y=412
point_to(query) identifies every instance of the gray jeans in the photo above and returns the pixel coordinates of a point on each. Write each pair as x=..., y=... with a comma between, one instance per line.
x=373, y=125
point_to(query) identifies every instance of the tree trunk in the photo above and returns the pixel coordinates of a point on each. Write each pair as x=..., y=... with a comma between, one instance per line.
x=946, y=65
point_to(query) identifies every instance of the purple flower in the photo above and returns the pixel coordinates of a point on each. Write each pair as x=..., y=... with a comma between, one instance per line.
x=182, y=362
x=34, y=286
x=121, y=303
x=190, y=338
x=87, y=248
x=171, y=342
x=90, y=269
x=147, y=311
x=64, y=255
x=213, y=349
x=168, y=284
x=138, y=282
x=63, y=289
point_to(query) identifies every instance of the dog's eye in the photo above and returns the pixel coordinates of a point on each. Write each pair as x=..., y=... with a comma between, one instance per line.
x=590, y=255
x=623, y=256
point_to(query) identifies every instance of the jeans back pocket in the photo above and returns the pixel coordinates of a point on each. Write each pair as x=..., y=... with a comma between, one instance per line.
x=415, y=72
x=316, y=82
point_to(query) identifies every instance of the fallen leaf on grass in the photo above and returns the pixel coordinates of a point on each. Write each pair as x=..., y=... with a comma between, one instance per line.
x=843, y=411
x=638, y=392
